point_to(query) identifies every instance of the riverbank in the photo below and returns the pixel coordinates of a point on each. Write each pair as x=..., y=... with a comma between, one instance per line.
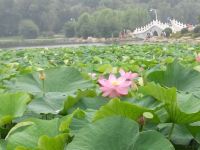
x=76, y=42
x=13, y=43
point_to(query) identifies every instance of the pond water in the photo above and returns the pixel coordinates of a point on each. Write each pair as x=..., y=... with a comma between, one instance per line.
x=73, y=45
x=59, y=46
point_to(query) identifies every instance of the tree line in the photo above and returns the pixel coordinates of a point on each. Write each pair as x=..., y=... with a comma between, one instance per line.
x=106, y=23
x=83, y=18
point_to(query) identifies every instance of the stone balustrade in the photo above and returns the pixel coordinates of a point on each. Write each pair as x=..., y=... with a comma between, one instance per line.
x=175, y=26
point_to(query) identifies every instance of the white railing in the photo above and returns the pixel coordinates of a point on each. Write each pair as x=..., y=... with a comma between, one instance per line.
x=175, y=25
x=150, y=25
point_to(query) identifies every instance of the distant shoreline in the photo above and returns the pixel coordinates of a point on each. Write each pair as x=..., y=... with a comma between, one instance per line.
x=17, y=43
x=75, y=42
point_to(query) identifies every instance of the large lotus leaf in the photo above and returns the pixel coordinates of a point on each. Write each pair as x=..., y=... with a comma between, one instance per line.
x=117, y=133
x=55, y=104
x=27, y=134
x=50, y=103
x=2, y=144
x=175, y=104
x=67, y=120
x=125, y=109
x=44, y=134
x=59, y=81
x=90, y=103
x=147, y=101
x=112, y=133
x=78, y=119
x=52, y=143
x=152, y=140
x=77, y=124
x=194, y=129
x=12, y=106
x=78, y=101
x=184, y=79
x=180, y=135
x=152, y=104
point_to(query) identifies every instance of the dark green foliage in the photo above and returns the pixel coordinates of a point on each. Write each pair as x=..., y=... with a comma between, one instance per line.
x=197, y=29
x=66, y=111
x=28, y=29
x=85, y=26
x=51, y=15
x=70, y=29
x=107, y=23
x=184, y=31
x=9, y=17
x=195, y=35
x=168, y=32
x=198, y=19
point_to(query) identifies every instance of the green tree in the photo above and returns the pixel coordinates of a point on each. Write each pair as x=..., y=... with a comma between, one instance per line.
x=85, y=26
x=197, y=29
x=187, y=11
x=113, y=4
x=70, y=29
x=199, y=19
x=133, y=18
x=91, y=3
x=108, y=23
x=9, y=17
x=51, y=15
x=168, y=31
x=28, y=29
x=42, y=12
x=184, y=31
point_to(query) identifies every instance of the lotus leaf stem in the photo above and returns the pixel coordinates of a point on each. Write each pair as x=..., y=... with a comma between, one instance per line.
x=171, y=131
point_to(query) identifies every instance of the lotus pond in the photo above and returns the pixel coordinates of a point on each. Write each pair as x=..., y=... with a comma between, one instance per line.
x=131, y=97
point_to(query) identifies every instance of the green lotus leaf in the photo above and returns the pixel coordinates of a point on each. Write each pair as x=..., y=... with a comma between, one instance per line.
x=117, y=133
x=59, y=81
x=29, y=135
x=175, y=104
x=2, y=144
x=55, y=104
x=82, y=100
x=50, y=103
x=180, y=135
x=52, y=143
x=152, y=140
x=12, y=106
x=194, y=129
x=67, y=120
x=183, y=79
x=59, y=84
x=125, y=109
x=146, y=101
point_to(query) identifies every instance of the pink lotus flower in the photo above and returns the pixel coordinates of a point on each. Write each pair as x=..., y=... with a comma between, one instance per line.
x=198, y=58
x=128, y=75
x=114, y=87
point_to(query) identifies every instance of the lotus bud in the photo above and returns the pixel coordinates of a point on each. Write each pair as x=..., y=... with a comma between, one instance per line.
x=42, y=75
x=146, y=115
x=141, y=120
